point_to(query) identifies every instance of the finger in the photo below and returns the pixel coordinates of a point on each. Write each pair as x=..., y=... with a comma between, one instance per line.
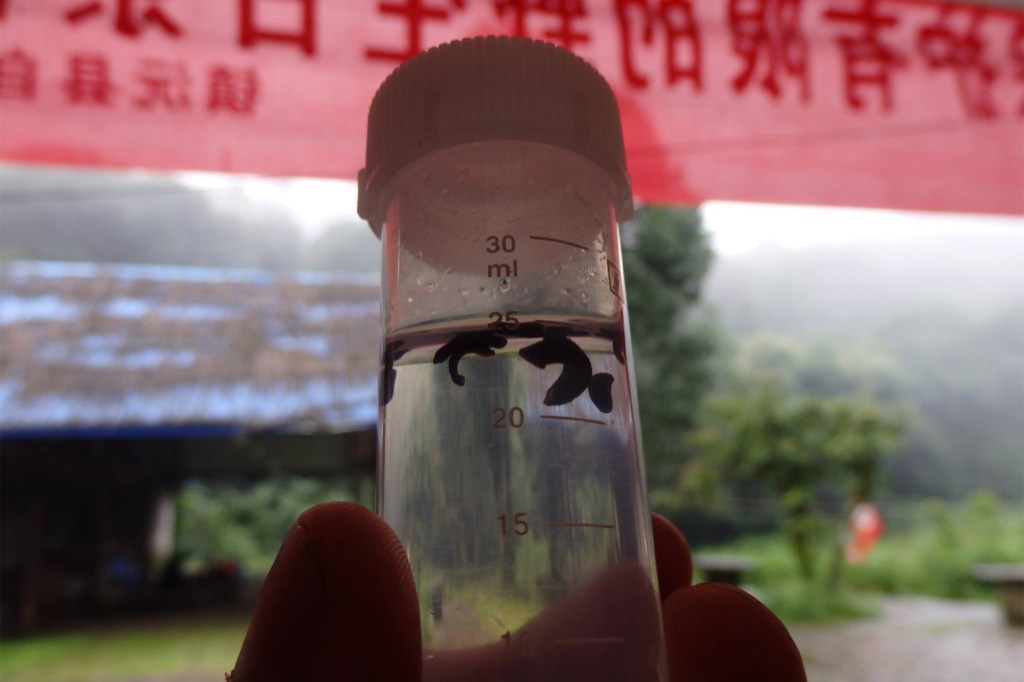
x=716, y=632
x=672, y=556
x=339, y=603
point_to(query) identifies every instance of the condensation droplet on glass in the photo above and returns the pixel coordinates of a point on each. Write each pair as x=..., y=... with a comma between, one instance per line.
x=505, y=284
x=429, y=286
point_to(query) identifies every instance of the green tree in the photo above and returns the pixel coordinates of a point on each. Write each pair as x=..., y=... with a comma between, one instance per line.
x=822, y=366
x=666, y=256
x=246, y=523
x=801, y=449
x=944, y=306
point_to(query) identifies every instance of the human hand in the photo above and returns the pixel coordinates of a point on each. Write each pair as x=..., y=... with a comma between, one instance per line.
x=340, y=604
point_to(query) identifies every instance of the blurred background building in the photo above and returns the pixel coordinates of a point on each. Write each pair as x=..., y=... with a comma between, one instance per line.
x=120, y=382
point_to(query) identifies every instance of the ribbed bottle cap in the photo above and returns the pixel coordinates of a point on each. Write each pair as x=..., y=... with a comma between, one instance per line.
x=491, y=88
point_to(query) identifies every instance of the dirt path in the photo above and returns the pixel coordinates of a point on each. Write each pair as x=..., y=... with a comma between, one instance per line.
x=916, y=640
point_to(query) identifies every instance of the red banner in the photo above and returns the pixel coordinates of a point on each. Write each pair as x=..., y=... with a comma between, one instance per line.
x=894, y=103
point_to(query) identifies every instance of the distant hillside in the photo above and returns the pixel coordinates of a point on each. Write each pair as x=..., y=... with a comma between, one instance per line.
x=950, y=311
x=860, y=288
x=118, y=217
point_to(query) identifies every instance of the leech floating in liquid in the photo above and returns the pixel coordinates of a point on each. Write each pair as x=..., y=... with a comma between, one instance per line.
x=480, y=343
x=554, y=348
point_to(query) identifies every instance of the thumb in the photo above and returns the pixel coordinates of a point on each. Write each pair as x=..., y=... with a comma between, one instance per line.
x=716, y=632
x=339, y=603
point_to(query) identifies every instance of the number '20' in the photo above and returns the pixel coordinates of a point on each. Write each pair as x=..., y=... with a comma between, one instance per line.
x=502, y=418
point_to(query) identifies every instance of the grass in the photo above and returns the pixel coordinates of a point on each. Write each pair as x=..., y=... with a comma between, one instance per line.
x=203, y=647
x=796, y=602
x=936, y=557
x=775, y=581
x=930, y=556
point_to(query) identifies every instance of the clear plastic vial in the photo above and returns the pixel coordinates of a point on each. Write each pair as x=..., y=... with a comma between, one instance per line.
x=510, y=464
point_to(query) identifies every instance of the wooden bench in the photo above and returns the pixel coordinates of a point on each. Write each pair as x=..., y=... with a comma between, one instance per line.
x=723, y=569
x=1008, y=580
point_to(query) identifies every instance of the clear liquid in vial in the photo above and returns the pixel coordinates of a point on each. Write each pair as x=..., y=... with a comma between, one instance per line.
x=511, y=474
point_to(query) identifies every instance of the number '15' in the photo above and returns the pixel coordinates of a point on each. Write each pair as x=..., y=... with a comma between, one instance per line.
x=519, y=525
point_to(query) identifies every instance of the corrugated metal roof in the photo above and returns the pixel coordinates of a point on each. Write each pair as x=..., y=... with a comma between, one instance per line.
x=86, y=346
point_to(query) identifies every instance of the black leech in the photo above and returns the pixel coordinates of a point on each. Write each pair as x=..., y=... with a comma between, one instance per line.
x=480, y=343
x=617, y=334
x=557, y=348
x=392, y=351
x=600, y=391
